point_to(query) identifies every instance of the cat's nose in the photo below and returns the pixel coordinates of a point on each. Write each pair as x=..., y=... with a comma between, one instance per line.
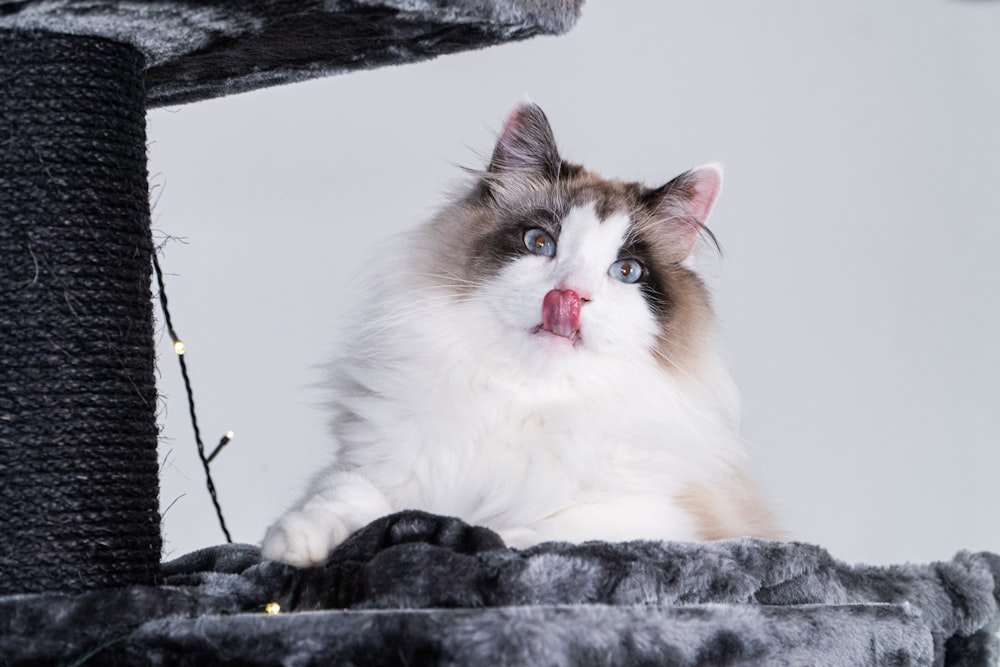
x=575, y=286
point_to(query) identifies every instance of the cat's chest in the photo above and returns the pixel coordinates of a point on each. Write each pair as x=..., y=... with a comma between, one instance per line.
x=524, y=432
x=500, y=452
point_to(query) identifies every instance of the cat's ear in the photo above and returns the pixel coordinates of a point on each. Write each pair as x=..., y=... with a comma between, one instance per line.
x=526, y=145
x=684, y=204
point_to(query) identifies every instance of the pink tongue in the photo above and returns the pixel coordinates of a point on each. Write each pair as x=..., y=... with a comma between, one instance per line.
x=561, y=312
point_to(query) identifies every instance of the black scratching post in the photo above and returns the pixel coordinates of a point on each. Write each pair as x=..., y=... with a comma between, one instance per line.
x=78, y=462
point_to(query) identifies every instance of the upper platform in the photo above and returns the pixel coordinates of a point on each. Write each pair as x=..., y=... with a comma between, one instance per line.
x=202, y=49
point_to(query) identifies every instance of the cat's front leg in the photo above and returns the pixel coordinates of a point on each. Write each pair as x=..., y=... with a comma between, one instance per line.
x=338, y=504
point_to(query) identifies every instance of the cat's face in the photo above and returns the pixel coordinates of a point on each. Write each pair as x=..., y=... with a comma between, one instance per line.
x=576, y=268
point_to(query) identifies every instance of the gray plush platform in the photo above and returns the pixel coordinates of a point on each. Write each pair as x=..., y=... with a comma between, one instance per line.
x=197, y=49
x=419, y=589
x=518, y=636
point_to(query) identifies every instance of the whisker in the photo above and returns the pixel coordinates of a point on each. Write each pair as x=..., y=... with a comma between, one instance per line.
x=379, y=324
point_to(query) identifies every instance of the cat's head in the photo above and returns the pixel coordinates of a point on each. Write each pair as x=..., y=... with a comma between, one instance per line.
x=575, y=266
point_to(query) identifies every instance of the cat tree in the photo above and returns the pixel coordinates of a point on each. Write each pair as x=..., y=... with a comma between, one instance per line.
x=80, y=572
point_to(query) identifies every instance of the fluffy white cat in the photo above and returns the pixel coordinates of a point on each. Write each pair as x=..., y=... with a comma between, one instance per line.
x=538, y=359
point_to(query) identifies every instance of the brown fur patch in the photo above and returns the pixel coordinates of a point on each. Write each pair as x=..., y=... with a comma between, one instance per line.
x=727, y=509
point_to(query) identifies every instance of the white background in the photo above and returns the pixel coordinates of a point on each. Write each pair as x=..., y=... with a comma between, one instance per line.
x=860, y=222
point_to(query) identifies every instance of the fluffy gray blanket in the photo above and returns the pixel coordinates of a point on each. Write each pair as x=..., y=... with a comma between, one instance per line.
x=414, y=588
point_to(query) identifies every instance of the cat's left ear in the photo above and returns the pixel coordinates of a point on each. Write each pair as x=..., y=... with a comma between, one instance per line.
x=526, y=145
x=685, y=203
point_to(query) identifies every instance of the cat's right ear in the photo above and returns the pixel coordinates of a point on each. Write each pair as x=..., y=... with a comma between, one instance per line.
x=526, y=145
x=684, y=204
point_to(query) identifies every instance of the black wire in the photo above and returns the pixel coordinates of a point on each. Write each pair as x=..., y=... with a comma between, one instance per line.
x=218, y=448
x=190, y=396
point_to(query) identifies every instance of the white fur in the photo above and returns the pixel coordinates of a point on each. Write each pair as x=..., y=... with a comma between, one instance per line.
x=447, y=402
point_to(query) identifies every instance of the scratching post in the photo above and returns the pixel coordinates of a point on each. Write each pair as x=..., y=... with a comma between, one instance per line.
x=78, y=462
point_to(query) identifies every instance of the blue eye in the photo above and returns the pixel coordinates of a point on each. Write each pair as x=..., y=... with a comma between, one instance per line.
x=627, y=271
x=540, y=243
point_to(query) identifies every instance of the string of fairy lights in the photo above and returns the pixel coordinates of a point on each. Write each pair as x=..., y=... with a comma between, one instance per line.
x=181, y=349
x=271, y=608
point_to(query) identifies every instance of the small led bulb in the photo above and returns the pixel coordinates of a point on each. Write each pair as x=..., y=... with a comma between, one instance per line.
x=179, y=347
x=272, y=608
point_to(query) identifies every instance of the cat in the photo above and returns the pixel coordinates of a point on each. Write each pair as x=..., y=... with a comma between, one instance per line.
x=538, y=359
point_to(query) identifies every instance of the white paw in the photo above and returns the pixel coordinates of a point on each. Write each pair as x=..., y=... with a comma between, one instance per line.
x=303, y=538
x=340, y=503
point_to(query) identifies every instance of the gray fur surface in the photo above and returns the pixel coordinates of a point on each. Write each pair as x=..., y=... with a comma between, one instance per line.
x=414, y=588
x=550, y=635
x=196, y=50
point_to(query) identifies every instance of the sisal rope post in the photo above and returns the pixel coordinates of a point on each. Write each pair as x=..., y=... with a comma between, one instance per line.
x=78, y=462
